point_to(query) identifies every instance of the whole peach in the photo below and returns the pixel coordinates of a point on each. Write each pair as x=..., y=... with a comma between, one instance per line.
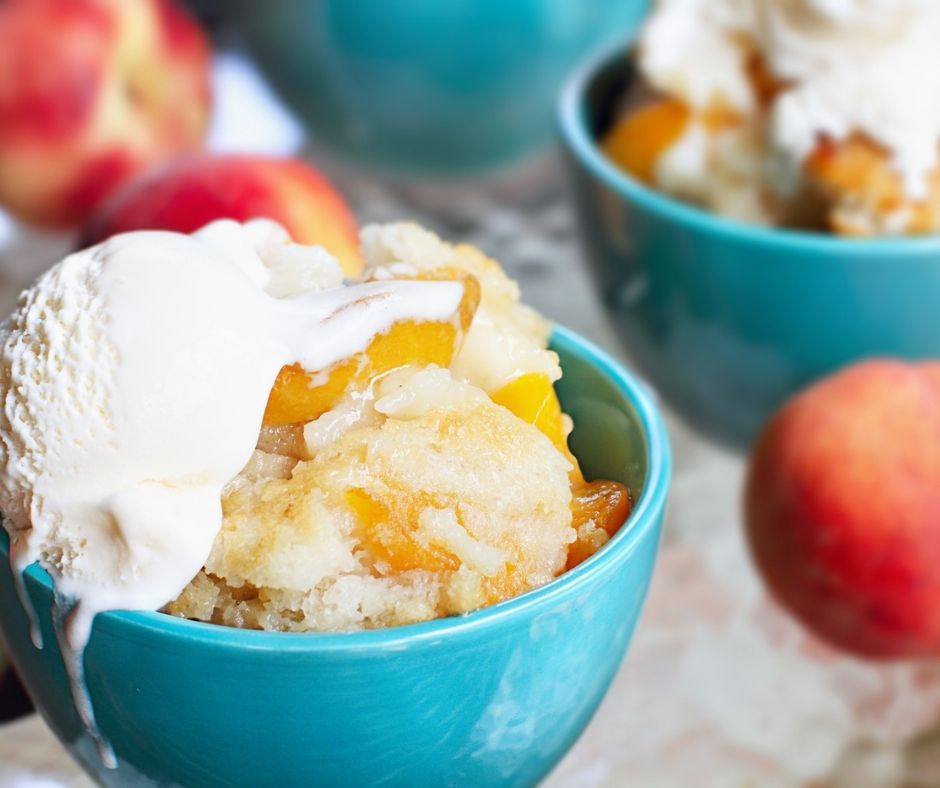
x=188, y=193
x=842, y=508
x=91, y=93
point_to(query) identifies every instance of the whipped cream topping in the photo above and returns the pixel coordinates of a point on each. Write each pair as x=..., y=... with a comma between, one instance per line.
x=845, y=67
x=133, y=381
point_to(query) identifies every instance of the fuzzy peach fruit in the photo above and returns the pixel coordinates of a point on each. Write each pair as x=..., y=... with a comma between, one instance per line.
x=842, y=507
x=92, y=92
x=193, y=191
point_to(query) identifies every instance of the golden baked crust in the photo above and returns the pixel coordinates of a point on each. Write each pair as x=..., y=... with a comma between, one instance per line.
x=865, y=194
x=421, y=492
x=439, y=502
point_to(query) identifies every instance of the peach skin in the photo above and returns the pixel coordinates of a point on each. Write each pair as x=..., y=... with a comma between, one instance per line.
x=92, y=92
x=842, y=508
x=193, y=191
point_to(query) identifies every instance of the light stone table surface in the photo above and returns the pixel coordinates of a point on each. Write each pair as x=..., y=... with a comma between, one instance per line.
x=720, y=689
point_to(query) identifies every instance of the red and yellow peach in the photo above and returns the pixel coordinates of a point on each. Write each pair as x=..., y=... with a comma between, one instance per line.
x=842, y=508
x=193, y=191
x=91, y=93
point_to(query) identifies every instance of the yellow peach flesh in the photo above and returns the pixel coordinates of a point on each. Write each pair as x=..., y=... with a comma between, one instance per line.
x=388, y=532
x=532, y=398
x=298, y=397
x=638, y=140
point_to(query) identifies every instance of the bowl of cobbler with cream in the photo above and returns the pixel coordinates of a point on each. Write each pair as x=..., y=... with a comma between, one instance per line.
x=758, y=188
x=265, y=525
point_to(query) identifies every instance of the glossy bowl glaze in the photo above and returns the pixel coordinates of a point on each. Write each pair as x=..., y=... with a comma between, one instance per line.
x=726, y=319
x=493, y=698
x=427, y=87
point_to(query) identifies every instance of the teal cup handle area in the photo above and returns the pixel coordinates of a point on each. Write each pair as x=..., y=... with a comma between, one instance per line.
x=493, y=698
x=728, y=320
x=427, y=88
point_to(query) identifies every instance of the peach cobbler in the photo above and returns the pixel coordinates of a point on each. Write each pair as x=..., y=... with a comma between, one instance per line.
x=424, y=475
x=816, y=114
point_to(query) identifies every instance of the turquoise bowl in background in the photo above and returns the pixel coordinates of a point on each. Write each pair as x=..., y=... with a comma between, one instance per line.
x=427, y=87
x=493, y=698
x=728, y=320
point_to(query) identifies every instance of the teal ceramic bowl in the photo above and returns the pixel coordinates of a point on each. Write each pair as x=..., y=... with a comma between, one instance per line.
x=727, y=320
x=427, y=87
x=493, y=698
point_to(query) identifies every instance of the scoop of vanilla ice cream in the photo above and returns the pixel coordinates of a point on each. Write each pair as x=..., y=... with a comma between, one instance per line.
x=133, y=380
x=133, y=377
x=687, y=50
x=844, y=66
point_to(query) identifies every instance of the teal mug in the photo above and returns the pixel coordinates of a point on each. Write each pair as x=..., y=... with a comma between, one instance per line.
x=427, y=87
x=728, y=320
x=492, y=698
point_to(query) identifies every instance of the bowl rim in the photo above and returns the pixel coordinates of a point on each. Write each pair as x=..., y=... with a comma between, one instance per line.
x=576, y=137
x=643, y=518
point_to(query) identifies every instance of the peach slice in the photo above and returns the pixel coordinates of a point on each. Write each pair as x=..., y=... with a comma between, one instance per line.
x=856, y=165
x=389, y=532
x=865, y=192
x=639, y=139
x=607, y=505
x=299, y=396
x=532, y=398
